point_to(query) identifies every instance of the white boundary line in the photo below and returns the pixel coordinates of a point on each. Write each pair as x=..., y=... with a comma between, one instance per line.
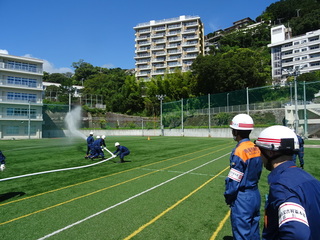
x=56, y=170
x=128, y=199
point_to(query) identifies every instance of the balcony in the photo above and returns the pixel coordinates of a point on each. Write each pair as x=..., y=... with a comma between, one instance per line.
x=142, y=56
x=5, y=116
x=37, y=101
x=190, y=56
x=24, y=69
x=21, y=85
x=191, y=49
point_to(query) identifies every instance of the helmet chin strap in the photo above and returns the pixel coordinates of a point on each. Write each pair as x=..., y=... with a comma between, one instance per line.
x=269, y=165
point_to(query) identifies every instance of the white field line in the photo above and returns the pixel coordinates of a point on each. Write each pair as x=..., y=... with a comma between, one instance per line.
x=170, y=171
x=128, y=199
x=56, y=170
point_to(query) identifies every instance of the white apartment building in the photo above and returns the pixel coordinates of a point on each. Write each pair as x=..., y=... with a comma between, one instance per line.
x=165, y=45
x=20, y=97
x=289, y=52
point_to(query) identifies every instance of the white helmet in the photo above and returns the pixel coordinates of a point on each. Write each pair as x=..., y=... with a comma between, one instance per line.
x=242, y=122
x=277, y=138
x=91, y=133
x=117, y=144
x=98, y=137
x=103, y=137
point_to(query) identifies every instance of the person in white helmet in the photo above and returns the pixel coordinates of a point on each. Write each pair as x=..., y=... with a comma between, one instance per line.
x=242, y=193
x=121, y=151
x=2, y=161
x=90, y=141
x=97, y=146
x=293, y=205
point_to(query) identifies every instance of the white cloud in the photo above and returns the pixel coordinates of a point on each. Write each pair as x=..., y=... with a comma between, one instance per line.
x=3, y=51
x=107, y=66
x=50, y=68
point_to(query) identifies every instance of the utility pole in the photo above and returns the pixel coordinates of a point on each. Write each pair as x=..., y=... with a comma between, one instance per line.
x=160, y=98
x=295, y=72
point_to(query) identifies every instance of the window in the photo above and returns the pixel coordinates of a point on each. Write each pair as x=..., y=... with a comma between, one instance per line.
x=314, y=47
x=30, y=67
x=314, y=55
x=28, y=82
x=22, y=97
x=12, y=130
x=313, y=38
x=314, y=64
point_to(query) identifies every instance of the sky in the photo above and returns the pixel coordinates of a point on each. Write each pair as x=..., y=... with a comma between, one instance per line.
x=100, y=32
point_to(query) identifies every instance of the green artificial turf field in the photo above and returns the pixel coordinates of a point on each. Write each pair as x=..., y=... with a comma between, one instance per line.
x=172, y=189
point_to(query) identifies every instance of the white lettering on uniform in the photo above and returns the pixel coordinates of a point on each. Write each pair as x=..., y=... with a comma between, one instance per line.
x=290, y=211
x=235, y=175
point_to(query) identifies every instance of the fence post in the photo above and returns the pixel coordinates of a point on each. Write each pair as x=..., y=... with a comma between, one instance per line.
x=209, y=113
x=182, y=117
x=247, y=100
x=305, y=111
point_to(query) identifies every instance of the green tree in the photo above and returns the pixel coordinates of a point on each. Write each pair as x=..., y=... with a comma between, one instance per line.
x=83, y=70
x=233, y=70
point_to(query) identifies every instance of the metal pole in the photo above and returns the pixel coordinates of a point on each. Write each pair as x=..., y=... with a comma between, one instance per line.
x=142, y=126
x=182, y=116
x=290, y=93
x=29, y=122
x=247, y=100
x=296, y=120
x=305, y=111
x=227, y=102
x=69, y=102
x=160, y=98
x=209, y=112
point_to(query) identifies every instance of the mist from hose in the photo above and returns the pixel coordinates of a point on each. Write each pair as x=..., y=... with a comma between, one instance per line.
x=73, y=122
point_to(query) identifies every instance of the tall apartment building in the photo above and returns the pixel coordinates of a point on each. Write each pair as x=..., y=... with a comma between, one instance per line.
x=20, y=97
x=165, y=45
x=289, y=52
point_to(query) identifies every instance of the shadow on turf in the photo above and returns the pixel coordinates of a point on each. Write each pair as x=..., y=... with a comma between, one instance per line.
x=6, y=196
x=227, y=238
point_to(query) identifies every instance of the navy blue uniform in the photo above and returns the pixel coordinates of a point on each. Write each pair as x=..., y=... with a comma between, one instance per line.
x=293, y=205
x=2, y=158
x=96, y=150
x=122, y=151
x=90, y=141
x=242, y=192
x=300, y=154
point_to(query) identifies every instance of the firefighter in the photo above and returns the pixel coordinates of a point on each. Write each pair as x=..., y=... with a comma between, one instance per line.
x=90, y=141
x=97, y=146
x=2, y=161
x=293, y=205
x=121, y=151
x=242, y=193
x=300, y=153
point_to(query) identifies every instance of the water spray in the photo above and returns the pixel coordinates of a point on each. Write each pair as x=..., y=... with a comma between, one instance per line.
x=73, y=122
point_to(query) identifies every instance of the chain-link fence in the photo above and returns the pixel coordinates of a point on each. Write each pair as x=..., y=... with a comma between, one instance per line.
x=263, y=102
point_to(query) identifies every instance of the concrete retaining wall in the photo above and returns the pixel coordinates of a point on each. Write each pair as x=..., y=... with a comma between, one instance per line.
x=214, y=132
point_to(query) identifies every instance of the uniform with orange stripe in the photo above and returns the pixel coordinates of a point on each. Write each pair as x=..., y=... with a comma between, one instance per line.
x=242, y=192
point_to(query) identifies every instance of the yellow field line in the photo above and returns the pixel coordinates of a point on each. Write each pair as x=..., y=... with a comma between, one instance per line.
x=95, y=179
x=172, y=207
x=103, y=189
x=221, y=224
